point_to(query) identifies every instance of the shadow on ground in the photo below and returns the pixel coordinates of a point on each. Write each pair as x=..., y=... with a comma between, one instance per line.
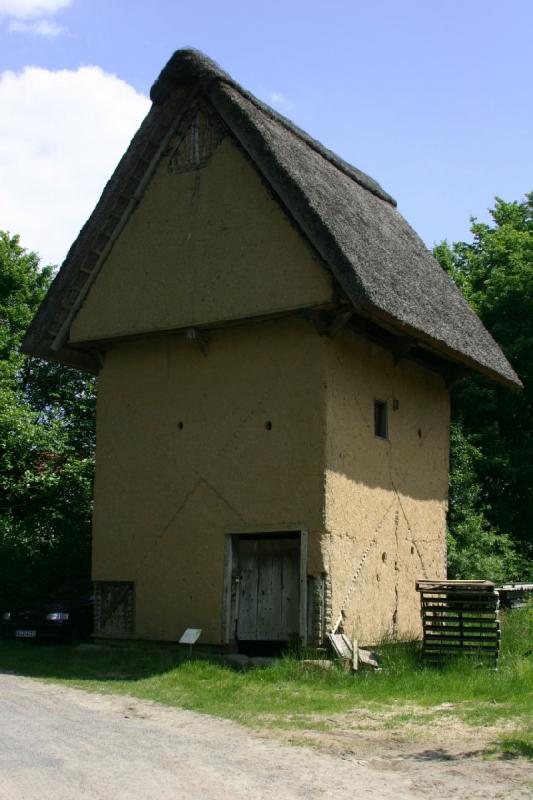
x=85, y=662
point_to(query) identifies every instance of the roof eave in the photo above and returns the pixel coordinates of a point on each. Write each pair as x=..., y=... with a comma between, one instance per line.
x=441, y=349
x=76, y=358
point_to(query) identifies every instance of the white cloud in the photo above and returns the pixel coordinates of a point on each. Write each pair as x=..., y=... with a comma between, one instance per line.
x=279, y=100
x=61, y=135
x=41, y=27
x=28, y=9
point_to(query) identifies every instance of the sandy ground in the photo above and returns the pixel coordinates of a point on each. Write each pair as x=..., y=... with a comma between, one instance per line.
x=66, y=744
x=443, y=758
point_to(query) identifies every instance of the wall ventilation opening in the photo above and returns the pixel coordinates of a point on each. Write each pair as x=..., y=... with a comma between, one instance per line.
x=114, y=607
x=200, y=136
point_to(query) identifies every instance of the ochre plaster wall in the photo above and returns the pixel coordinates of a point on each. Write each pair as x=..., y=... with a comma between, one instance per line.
x=393, y=491
x=202, y=247
x=165, y=496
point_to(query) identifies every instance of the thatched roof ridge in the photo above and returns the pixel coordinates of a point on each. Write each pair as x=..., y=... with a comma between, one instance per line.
x=190, y=66
x=380, y=263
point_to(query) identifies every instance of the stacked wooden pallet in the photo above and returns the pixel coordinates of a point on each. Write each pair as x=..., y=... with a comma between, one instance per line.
x=459, y=617
x=515, y=595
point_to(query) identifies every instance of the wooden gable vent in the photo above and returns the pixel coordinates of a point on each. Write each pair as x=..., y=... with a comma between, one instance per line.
x=459, y=618
x=197, y=140
x=114, y=607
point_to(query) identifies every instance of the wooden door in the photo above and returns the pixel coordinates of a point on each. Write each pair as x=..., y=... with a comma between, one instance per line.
x=268, y=589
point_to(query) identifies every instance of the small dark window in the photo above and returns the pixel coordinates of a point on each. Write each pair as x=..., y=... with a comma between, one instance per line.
x=380, y=419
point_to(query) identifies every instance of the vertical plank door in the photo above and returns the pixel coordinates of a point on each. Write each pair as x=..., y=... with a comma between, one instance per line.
x=269, y=589
x=248, y=587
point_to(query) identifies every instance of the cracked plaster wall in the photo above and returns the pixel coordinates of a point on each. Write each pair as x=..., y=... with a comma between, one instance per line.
x=166, y=496
x=385, y=498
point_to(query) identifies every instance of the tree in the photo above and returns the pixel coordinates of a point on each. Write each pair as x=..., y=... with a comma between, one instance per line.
x=475, y=548
x=493, y=423
x=46, y=446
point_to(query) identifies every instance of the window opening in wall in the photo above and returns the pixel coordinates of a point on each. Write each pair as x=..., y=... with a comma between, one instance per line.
x=380, y=419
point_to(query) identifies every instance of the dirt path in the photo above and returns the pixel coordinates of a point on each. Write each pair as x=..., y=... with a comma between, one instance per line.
x=67, y=744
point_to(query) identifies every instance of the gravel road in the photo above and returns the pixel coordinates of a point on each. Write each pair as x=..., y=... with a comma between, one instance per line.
x=58, y=743
x=62, y=744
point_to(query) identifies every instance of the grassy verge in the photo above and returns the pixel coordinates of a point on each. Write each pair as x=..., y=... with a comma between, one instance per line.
x=296, y=695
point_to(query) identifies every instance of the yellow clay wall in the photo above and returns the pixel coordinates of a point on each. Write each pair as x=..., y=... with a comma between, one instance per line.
x=202, y=247
x=385, y=496
x=165, y=497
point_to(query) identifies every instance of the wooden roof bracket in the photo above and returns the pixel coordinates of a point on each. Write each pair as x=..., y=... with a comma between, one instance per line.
x=330, y=323
x=339, y=321
x=199, y=337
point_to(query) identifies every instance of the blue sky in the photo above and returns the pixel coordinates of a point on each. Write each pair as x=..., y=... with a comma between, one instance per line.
x=433, y=99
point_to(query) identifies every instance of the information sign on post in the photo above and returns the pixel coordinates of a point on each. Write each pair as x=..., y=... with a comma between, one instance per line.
x=190, y=637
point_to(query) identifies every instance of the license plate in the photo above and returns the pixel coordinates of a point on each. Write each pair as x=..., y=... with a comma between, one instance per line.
x=26, y=634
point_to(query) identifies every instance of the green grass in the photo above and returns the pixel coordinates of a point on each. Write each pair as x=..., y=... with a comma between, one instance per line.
x=290, y=694
x=517, y=745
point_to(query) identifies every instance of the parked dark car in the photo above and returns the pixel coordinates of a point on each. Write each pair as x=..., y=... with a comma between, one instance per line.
x=61, y=617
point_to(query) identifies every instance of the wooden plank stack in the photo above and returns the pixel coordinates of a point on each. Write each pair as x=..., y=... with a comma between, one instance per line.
x=515, y=595
x=459, y=618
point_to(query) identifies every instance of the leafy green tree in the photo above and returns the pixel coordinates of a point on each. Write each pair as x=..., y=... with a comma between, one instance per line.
x=475, y=549
x=494, y=424
x=22, y=287
x=46, y=446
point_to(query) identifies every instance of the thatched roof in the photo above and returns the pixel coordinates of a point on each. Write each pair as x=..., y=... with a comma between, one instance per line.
x=379, y=262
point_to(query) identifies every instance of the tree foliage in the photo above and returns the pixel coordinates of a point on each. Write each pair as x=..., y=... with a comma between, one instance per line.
x=475, y=548
x=46, y=446
x=491, y=481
